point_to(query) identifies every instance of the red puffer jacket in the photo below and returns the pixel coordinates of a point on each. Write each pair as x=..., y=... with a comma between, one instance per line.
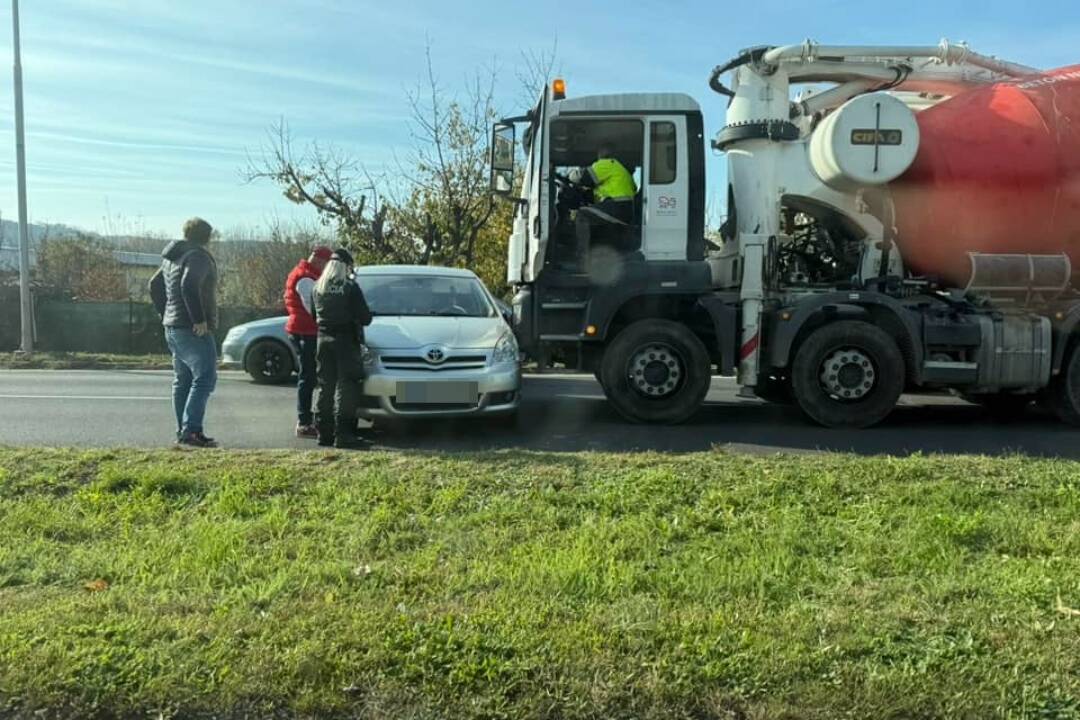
x=300, y=320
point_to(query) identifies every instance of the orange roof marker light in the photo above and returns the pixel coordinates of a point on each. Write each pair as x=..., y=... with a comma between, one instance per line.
x=558, y=89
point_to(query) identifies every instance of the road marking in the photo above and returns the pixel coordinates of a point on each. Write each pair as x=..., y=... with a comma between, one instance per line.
x=83, y=397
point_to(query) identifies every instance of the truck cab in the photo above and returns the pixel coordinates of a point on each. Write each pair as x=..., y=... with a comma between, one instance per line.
x=572, y=301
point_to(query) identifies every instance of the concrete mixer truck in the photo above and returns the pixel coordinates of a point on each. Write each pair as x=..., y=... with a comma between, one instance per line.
x=899, y=219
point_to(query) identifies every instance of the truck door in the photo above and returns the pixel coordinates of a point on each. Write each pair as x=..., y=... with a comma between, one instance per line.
x=666, y=190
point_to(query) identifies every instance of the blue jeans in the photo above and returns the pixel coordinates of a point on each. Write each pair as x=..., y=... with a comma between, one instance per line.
x=195, y=376
x=306, y=346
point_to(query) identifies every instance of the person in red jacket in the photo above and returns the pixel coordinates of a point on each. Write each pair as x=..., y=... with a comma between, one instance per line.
x=304, y=333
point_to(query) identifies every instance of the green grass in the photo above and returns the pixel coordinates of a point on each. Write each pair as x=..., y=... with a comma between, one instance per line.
x=518, y=585
x=83, y=361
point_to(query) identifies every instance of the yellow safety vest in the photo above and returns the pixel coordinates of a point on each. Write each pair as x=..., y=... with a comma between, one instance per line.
x=612, y=180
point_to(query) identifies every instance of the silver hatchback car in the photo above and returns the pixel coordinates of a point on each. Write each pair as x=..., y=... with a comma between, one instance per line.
x=439, y=346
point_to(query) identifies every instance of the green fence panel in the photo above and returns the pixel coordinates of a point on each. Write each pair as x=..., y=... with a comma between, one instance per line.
x=121, y=327
x=9, y=319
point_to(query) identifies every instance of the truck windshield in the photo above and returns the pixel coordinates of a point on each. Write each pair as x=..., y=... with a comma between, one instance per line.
x=425, y=296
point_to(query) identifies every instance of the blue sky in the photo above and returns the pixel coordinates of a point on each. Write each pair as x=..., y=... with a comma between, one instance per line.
x=141, y=113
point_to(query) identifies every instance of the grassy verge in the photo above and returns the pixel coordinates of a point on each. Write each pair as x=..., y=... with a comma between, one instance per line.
x=83, y=361
x=538, y=586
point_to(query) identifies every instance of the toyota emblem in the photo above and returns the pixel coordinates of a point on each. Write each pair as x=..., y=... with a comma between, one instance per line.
x=436, y=356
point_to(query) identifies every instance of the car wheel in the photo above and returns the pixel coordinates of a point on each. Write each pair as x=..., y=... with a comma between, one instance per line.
x=848, y=374
x=269, y=362
x=656, y=371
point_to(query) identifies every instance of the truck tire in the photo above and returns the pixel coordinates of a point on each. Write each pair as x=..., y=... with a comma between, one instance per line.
x=848, y=374
x=599, y=377
x=1062, y=396
x=269, y=362
x=656, y=371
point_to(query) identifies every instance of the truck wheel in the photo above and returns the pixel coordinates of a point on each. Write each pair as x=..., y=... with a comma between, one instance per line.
x=656, y=371
x=848, y=374
x=1062, y=396
x=269, y=362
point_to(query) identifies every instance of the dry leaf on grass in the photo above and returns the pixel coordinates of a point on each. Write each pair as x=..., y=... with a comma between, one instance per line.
x=96, y=586
x=1064, y=610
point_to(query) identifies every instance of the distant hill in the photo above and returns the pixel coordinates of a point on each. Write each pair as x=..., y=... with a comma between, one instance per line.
x=9, y=233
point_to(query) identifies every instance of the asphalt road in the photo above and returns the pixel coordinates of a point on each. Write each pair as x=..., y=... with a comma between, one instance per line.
x=559, y=413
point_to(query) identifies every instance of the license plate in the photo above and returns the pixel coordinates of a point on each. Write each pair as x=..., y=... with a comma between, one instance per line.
x=437, y=393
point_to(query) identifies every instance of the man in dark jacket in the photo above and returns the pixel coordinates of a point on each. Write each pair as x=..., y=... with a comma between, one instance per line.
x=184, y=292
x=341, y=314
x=299, y=303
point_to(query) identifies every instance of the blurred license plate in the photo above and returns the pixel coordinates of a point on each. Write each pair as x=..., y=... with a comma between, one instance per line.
x=438, y=393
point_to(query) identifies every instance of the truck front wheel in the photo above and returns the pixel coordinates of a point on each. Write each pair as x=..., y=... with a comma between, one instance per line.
x=848, y=374
x=656, y=371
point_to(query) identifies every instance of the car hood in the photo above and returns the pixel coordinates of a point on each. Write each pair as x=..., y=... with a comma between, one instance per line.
x=274, y=323
x=389, y=332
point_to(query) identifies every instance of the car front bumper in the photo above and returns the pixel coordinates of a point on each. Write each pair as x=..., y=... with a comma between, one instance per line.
x=232, y=354
x=499, y=392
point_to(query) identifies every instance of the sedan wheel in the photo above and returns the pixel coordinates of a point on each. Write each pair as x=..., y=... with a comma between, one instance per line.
x=269, y=362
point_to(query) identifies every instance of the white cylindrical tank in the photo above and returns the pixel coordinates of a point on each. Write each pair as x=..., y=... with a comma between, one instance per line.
x=870, y=140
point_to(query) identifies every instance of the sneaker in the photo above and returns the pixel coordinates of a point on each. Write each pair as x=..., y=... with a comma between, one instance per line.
x=308, y=432
x=197, y=440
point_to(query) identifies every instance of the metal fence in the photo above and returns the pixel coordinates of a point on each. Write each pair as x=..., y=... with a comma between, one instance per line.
x=130, y=328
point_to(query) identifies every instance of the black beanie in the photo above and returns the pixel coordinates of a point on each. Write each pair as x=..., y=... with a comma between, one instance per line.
x=343, y=255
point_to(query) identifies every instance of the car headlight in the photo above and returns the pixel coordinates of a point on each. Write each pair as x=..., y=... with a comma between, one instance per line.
x=370, y=359
x=506, y=350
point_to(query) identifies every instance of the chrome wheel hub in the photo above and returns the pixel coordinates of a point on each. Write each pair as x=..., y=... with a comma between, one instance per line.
x=848, y=375
x=656, y=371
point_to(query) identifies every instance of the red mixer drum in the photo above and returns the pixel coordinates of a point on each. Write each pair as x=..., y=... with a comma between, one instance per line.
x=997, y=171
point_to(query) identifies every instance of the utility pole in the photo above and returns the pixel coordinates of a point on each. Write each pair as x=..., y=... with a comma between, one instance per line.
x=26, y=314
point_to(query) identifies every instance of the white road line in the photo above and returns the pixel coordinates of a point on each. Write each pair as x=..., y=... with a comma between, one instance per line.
x=83, y=397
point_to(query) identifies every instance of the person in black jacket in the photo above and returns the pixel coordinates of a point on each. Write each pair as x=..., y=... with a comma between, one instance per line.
x=184, y=292
x=341, y=314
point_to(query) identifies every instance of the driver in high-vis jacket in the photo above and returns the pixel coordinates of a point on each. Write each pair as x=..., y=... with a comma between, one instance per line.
x=613, y=199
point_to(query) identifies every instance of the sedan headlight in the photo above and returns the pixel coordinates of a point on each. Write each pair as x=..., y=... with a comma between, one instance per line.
x=506, y=350
x=370, y=359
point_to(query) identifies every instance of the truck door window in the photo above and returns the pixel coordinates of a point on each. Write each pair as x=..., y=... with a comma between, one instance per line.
x=663, y=153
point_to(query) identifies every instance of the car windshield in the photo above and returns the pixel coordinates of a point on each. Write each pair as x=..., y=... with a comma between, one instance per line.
x=426, y=295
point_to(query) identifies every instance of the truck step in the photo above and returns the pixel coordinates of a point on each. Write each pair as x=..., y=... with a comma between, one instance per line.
x=564, y=305
x=560, y=338
x=950, y=373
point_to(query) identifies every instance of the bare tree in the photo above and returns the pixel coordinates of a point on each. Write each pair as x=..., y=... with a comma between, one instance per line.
x=340, y=189
x=536, y=69
x=438, y=209
x=449, y=203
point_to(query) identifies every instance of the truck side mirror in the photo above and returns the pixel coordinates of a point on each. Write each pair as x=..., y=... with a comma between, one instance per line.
x=502, y=158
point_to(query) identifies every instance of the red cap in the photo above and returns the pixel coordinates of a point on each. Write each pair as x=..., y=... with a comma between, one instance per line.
x=322, y=253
